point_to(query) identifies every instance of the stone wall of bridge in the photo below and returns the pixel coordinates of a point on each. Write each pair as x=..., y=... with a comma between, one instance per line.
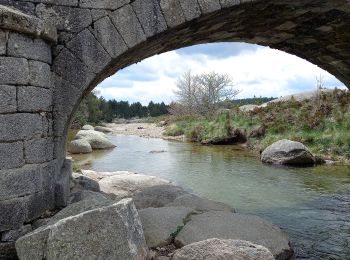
x=30, y=177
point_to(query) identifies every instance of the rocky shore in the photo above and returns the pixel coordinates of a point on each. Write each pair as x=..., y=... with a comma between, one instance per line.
x=147, y=130
x=124, y=215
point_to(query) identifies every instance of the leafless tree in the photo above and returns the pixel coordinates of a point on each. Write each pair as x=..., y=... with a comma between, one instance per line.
x=202, y=94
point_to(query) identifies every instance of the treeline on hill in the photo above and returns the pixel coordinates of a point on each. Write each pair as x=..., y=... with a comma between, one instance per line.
x=94, y=110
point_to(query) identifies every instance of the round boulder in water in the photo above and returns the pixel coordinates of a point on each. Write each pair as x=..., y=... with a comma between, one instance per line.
x=79, y=146
x=286, y=152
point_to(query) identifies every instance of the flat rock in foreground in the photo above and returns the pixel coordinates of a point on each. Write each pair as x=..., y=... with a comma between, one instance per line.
x=111, y=232
x=161, y=224
x=286, y=152
x=225, y=225
x=223, y=249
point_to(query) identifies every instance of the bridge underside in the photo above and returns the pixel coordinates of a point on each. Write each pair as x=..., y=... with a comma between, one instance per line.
x=53, y=53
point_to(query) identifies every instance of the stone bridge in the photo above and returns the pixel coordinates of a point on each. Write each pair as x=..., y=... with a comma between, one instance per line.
x=54, y=52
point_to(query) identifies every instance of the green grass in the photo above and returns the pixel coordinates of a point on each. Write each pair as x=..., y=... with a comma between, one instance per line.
x=322, y=125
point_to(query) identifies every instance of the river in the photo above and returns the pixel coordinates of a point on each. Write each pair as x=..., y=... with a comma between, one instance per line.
x=311, y=205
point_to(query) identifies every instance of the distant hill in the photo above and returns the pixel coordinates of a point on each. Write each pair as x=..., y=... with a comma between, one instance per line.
x=252, y=101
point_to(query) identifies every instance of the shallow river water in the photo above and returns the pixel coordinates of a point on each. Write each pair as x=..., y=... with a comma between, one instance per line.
x=311, y=205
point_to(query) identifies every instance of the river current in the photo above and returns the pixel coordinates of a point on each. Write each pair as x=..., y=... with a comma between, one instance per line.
x=312, y=205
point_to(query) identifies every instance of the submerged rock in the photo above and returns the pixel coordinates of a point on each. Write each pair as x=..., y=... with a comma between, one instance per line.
x=79, y=146
x=111, y=232
x=223, y=249
x=160, y=225
x=200, y=204
x=286, y=152
x=225, y=225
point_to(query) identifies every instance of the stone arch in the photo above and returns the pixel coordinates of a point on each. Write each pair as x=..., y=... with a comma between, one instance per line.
x=96, y=38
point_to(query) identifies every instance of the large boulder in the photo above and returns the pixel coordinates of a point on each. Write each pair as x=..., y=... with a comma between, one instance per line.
x=126, y=184
x=87, y=127
x=226, y=225
x=96, y=139
x=111, y=232
x=103, y=129
x=199, y=204
x=286, y=152
x=160, y=225
x=79, y=146
x=223, y=249
x=157, y=196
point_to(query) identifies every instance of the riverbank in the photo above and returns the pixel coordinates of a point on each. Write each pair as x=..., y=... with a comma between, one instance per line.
x=146, y=130
x=321, y=123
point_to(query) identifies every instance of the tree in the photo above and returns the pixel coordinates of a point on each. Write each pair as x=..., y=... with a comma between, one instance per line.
x=187, y=92
x=202, y=94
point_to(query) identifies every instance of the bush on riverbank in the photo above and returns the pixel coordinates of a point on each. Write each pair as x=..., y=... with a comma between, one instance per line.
x=322, y=124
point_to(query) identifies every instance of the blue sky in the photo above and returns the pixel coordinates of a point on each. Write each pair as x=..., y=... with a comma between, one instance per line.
x=256, y=70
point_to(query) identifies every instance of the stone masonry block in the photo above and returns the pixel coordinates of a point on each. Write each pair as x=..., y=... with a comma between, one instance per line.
x=14, y=71
x=49, y=171
x=62, y=189
x=229, y=3
x=103, y=4
x=14, y=127
x=208, y=6
x=86, y=48
x=150, y=16
x=34, y=99
x=58, y=2
x=13, y=213
x=20, y=182
x=26, y=7
x=25, y=47
x=72, y=70
x=11, y=155
x=3, y=42
x=191, y=9
x=97, y=14
x=8, y=102
x=128, y=26
x=38, y=150
x=172, y=12
x=108, y=36
x=38, y=203
x=40, y=74
x=67, y=19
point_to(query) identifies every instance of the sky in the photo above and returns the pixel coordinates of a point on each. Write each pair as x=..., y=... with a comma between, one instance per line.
x=255, y=70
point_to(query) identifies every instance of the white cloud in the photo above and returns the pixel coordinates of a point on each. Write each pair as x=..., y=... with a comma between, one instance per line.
x=260, y=72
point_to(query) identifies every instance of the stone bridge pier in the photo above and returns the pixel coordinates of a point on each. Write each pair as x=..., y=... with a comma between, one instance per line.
x=30, y=168
x=54, y=52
